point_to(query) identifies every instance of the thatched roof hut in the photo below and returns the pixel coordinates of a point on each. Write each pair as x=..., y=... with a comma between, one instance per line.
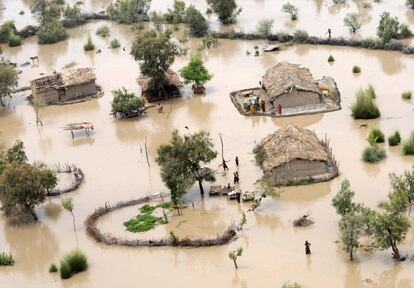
x=174, y=83
x=76, y=77
x=293, y=154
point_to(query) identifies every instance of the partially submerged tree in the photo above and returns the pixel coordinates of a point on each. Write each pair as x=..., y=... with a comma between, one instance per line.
x=226, y=10
x=233, y=255
x=8, y=81
x=196, y=73
x=156, y=53
x=351, y=228
x=264, y=28
x=185, y=156
x=67, y=204
x=14, y=154
x=388, y=27
x=290, y=9
x=38, y=104
x=343, y=200
x=73, y=16
x=352, y=22
x=126, y=103
x=196, y=22
x=129, y=11
x=177, y=13
x=404, y=183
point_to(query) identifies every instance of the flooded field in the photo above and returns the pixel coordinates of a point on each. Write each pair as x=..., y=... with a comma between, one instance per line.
x=115, y=169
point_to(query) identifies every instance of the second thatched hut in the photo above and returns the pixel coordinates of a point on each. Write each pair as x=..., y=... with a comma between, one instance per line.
x=295, y=156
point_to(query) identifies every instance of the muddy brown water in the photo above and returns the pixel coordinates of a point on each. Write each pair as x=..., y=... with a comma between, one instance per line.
x=115, y=170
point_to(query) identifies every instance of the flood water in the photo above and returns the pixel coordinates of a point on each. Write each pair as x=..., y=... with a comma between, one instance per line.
x=116, y=170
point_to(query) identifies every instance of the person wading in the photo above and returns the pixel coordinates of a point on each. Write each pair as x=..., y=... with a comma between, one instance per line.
x=307, y=247
x=237, y=161
x=225, y=165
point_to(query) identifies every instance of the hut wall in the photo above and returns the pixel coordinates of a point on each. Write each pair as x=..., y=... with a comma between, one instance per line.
x=79, y=91
x=299, y=168
x=297, y=98
x=49, y=96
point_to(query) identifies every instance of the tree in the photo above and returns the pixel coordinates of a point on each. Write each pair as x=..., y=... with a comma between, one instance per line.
x=73, y=16
x=226, y=10
x=233, y=255
x=290, y=9
x=44, y=11
x=177, y=14
x=196, y=22
x=351, y=21
x=129, y=11
x=38, y=103
x=51, y=32
x=196, y=73
x=184, y=157
x=15, y=154
x=22, y=188
x=388, y=27
x=351, y=228
x=67, y=204
x=343, y=200
x=405, y=184
x=156, y=52
x=8, y=81
x=264, y=28
x=126, y=103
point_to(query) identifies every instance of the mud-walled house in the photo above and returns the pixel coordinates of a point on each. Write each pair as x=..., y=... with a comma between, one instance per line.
x=295, y=156
x=71, y=85
x=170, y=90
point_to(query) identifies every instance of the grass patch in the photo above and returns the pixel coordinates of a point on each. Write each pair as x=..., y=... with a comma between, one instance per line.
x=143, y=223
x=406, y=95
x=89, y=46
x=259, y=154
x=65, y=272
x=73, y=262
x=6, y=259
x=370, y=91
x=373, y=154
x=376, y=136
x=53, y=268
x=147, y=209
x=356, y=69
x=103, y=31
x=408, y=146
x=364, y=107
x=114, y=44
x=394, y=139
x=331, y=58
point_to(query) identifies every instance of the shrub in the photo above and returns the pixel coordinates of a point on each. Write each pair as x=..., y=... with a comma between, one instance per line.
x=370, y=91
x=356, y=69
x=388, y=27
x=226, y=10
x=408, y=146
x=114, y=44
x=73, y=16
x=6, y=259
x=283, y=37
x=126, y=103
x=77, y=261
x=376, y=136
x=259, y=154
x=129, y=11
x=300, y=36
x=53, y=268
x=173, y=238
x=14, y=40
x=7, y=29
x=331, y=58
x=406, y=95
x=373, y=154
x=65, y=271
x=364, y=107
x=89, y=46
x=196, y=22
x=371, y=43
x=103, y=31
x=394, y=139
x=143, y=222
x=209, y=41
x=51, y=32
x=405, y=31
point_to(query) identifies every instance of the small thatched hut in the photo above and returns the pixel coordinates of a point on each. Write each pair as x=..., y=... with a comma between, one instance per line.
x=70, y=85
x=171, y=89
x=294, y=156
x=288, y=89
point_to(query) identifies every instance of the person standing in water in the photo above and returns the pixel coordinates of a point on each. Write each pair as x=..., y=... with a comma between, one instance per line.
x=329, y=33
x=307, y=247
x=225, y=167
x=237, y=161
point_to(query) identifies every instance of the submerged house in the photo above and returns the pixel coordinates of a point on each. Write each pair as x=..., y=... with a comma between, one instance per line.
x=71, y=85
x=295, y=156
x=286, y=90
x=171, y=89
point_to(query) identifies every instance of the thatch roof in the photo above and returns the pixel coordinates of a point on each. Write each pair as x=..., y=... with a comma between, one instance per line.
x=292, y=143
x=284, y=76
x=66, y=78
x=170, y=75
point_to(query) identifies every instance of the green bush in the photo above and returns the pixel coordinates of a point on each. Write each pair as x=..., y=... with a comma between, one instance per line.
x=147, y=209
x=14, y=40
x=371, y=43
x=6, y=29
x=331, y=58
x=406, y=95
x=259, y=154
x=143, y=222
x=77, y=261
x=196, y=22
x=129, y=11
x=376, y=136
x=283, y=37
x=394, y=139
x=73, y=16
x=114, y=44
x=300, y=36
x=126, y=103
x=65, y=271
x=89, y=46
x=364, y=107
x=405, y=31
x=53, y=268
x=356, y=69
x=370, y=91
x=408, y=146
x=51, y=32
x=103, y=31
x=373, y=154
x=6, y=259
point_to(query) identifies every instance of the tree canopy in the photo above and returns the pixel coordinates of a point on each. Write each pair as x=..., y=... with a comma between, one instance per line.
x=8, y=81
x=196, y=22
x=129, y=11
x=352, y=22
x=264, y=27
x=343, y=200
x=226, y=10
x=125, y=102
x=388, y=27
x=195, y=72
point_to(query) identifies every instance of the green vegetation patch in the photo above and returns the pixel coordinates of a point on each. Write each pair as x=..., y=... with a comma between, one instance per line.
x=53, y=268
x=365, y=107
x=408, y=146
x=376, y=136
x=373, y=154
x=145, y=221
x=259, y=154
x=406, y=95
x=6, y=259
x=73, y=262
x=394, y=139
